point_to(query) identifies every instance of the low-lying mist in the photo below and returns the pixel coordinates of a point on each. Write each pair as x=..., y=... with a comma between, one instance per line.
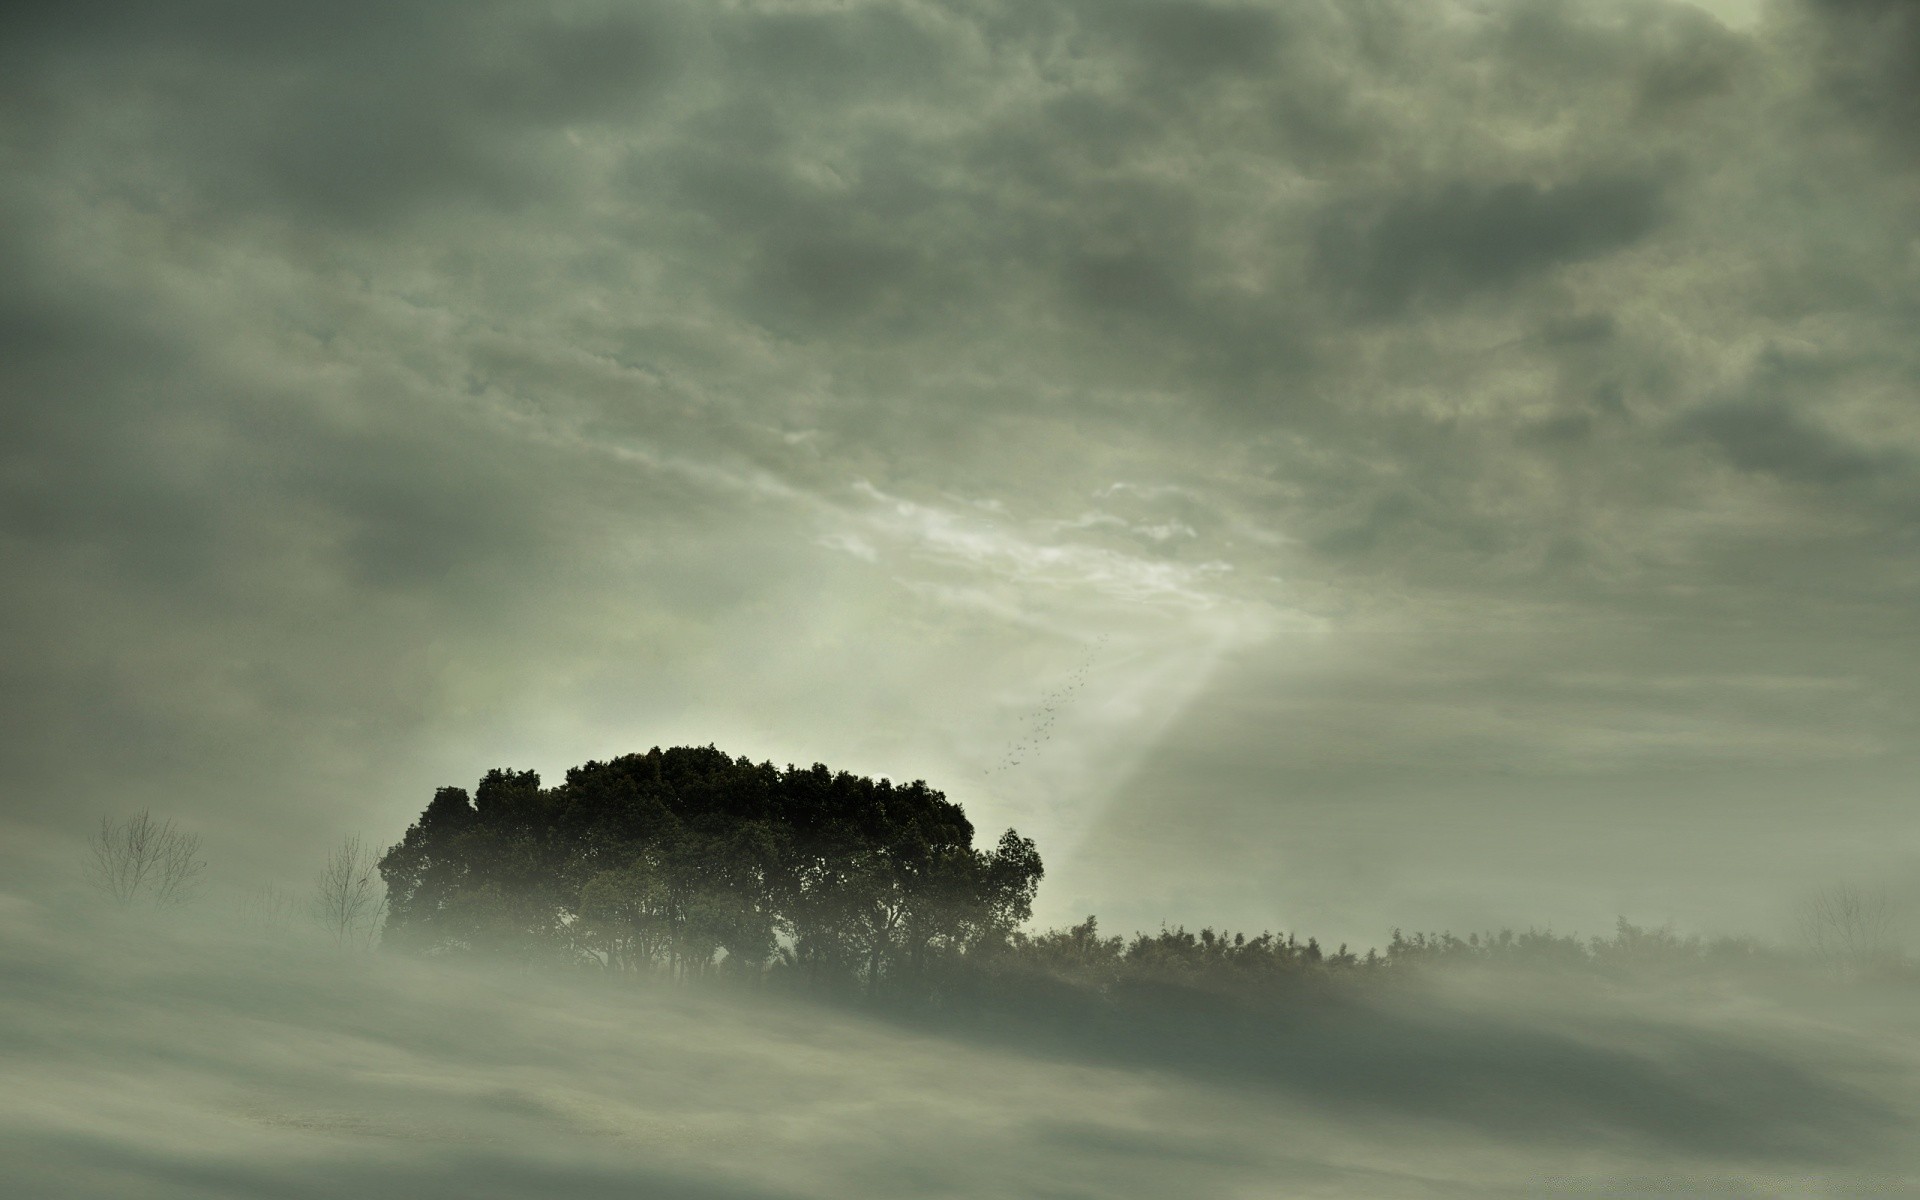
x=180, y=1054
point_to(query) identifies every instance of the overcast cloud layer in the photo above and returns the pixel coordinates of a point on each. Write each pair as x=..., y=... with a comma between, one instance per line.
x=1468, y=450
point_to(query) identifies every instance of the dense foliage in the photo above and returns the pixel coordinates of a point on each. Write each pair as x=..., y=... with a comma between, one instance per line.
x=689, y=863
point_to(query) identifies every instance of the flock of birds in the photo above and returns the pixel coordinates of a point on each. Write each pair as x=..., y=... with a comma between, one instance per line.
x=1040, y=724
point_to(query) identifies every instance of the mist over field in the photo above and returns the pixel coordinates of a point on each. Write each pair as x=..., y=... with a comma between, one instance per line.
x=203, y=1059
x=1323, y=476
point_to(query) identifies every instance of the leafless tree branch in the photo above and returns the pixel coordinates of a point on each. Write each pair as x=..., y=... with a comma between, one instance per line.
x=1849, y=928
x=141, y=857
x=348, y=896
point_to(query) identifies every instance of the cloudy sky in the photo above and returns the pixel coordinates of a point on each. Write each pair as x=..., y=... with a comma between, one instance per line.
x=1320, y=465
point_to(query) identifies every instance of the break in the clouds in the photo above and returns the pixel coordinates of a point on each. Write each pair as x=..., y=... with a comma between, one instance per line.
x=1519, y=391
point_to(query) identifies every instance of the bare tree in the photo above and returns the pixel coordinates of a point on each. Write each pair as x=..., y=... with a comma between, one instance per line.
x=1851, y=929
x=272, y=910
x=177, y=879
x=141, y=857
x=348, y=896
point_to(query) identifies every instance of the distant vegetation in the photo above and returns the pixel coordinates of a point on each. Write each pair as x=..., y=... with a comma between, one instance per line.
x=686, y=863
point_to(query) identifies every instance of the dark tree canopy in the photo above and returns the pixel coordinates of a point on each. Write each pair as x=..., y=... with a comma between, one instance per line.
x=688, y=862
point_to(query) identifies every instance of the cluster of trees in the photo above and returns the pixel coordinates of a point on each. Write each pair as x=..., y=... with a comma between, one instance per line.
x=688, y=863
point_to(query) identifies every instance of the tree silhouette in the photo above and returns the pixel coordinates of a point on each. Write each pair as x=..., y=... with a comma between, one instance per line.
x=688, y=863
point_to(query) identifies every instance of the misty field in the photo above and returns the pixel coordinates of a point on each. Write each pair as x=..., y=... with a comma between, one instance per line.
x=150, y=1058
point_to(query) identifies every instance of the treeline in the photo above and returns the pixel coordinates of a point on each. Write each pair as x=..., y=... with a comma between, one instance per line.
x=688, y=863
x=1632, y=950
x=1175, y=966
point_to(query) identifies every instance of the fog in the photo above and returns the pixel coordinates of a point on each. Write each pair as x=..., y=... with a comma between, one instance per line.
x=177, y=1054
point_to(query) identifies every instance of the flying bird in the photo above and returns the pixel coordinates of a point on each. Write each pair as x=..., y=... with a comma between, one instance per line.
x=1039, y=726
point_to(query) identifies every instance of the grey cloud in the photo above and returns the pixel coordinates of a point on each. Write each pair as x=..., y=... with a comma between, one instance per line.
x=1141, y=283
x=1704, y=63
x=419, y=508
x=1467, y=238
x=1771, y=425
x=1870, y=55
x=89, y=388
x=1567, y=429
x=822, y=279
x=1381, y=518
x=1677, y=49
x=1772, y=437
x=1186, y=38
x=366, y=115
x=360, y=162
x=836, y=56
x=173, y=475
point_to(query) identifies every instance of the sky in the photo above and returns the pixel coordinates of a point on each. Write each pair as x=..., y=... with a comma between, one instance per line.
x=1315, y=466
